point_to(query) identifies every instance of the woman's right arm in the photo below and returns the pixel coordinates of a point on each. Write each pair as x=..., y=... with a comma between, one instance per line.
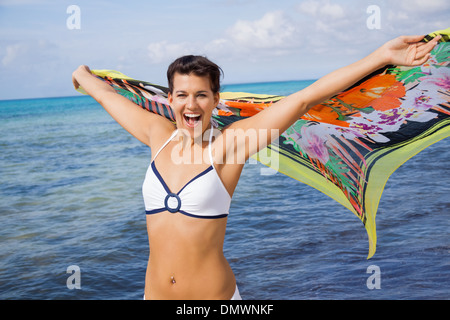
x=137, y=121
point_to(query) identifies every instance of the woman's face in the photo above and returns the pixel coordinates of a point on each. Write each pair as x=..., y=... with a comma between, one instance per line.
x=193, y=102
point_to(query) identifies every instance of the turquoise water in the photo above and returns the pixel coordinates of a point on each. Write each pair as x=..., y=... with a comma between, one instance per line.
x=71, y=195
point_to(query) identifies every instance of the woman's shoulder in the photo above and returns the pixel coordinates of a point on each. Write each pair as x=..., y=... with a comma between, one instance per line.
x=160, y=133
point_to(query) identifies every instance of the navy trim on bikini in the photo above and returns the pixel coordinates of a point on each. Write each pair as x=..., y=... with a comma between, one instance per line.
x=196, y=177
x=160, y=178
x=166, y=187
x=203, y=217
x=154, y=211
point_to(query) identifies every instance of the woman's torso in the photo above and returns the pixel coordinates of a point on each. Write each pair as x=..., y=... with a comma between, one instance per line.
x=186, y=252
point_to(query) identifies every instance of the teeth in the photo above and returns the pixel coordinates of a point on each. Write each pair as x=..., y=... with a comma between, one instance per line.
x=191, y=115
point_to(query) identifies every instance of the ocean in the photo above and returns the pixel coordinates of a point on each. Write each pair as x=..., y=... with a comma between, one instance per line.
x=71, y=199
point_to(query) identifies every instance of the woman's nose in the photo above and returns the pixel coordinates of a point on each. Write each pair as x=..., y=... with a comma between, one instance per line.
x=190, y=102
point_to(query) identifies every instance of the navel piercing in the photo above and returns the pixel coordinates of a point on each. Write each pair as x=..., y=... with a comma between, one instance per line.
x=172, y=279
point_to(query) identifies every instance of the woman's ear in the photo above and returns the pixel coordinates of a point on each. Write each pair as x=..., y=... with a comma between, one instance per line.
x=216, y=98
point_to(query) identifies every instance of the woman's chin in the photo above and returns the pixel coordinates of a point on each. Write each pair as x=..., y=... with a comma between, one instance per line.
x=193, y=130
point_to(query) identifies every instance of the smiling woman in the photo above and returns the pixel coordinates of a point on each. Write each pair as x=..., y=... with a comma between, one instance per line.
x=187, y=204
x=194, y=85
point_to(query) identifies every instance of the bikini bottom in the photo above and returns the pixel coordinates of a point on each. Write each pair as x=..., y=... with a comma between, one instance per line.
x=236, y=295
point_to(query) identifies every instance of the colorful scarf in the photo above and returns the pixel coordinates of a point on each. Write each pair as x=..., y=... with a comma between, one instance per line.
x=348, y=146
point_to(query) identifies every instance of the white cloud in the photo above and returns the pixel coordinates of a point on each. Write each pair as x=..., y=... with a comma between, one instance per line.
x=335, y=22
x=415, y=16
x=12, y=52
x=273, y=34
x=273, y=30
x=346, y=21
x=332, y=11
x=322, y=9
x=26, y=55
x=422, y=6
x=309, y=7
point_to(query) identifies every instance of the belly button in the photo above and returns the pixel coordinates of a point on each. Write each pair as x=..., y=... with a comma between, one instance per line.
x=172, y=280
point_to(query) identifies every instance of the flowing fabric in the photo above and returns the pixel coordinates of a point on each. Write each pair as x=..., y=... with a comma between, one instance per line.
x=348, y=146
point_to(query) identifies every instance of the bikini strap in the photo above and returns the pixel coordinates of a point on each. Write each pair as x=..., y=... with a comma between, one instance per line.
x=165, y=143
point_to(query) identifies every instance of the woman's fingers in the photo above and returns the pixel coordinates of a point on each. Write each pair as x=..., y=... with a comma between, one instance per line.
x=421, y=60
x=75, y=83
x=424, y=48
x=412, y=39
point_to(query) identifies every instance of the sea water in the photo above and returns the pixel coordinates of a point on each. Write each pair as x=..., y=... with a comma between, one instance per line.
x=70, y=195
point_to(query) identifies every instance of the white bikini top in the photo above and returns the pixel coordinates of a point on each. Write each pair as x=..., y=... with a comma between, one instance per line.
x=204, y=196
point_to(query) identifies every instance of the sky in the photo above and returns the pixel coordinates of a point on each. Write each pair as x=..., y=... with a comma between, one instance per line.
x=42, y=42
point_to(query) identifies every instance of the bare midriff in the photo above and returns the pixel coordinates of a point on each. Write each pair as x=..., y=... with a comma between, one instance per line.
x=186, y=258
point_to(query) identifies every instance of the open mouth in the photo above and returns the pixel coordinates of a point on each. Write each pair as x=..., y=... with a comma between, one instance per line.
x=192, y=119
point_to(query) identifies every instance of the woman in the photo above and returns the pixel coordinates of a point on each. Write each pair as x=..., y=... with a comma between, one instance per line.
x=187, y=200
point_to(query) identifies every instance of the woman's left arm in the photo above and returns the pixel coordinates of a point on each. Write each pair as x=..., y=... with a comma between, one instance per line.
x=404, y=50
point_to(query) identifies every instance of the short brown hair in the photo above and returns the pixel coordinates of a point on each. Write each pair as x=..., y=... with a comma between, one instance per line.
x=198, y=65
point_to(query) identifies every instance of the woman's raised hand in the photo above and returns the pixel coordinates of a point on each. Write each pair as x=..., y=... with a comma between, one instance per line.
x=408, y=50
x=79, y=69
